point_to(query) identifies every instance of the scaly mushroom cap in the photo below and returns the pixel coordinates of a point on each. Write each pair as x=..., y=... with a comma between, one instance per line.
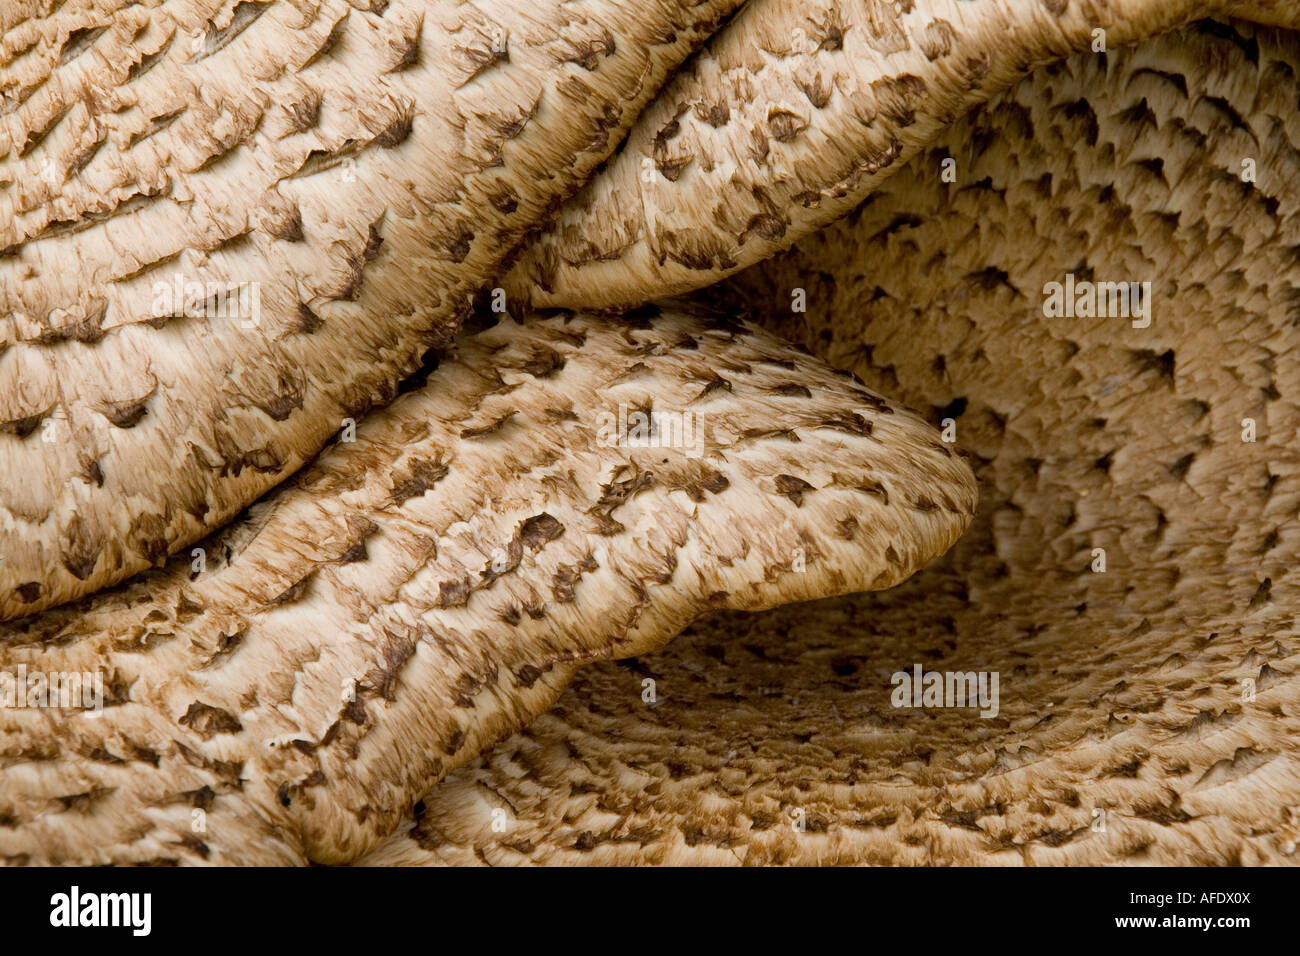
x=791, y=116
x=1150, y=712
x=228, y=228
x=424, y=590
x=1156, y=710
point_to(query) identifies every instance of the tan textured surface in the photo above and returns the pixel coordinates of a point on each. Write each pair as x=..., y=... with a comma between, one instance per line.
x=790, y=117
x=361, y=168
x=448, y=570
x=1120, y=691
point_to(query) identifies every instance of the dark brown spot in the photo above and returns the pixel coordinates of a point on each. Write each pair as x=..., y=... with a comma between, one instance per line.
x=459, y=245
x=784, y=125
x=817, y=90
x=292, y=593
x=350, y=289
x=538, y=530
x=280, y=407
x=302, y=114
x=671, y=169
x=22, y=427
x=564, y=581
x=420, y=477
x=227, y=644
x=937, y=39
x=479, y=431
x=80, y=564
x=612, y=496
x=125, y=414
x=543, y=362
x=397, y=131
x=1162, y=363
x=505, y=201
x=587, y=53
x=406, y=49
x=715, y=115
x=373, y=241
x=793, y=390
x=209, y=721
x=327, y=45
x=793, y=488
x=766, y=225
x=382, y=680
x=850, y=422
x=308, y=321
x=485, y=55
x=453, y=593
x=284, y=223
x=716, y=384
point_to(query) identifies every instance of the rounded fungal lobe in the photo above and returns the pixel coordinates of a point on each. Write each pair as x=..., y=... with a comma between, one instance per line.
x=227, y=227
x=791, y=116
x=568, y=489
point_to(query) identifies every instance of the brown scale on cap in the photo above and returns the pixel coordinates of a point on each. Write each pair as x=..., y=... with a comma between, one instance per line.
x=417, y=594
x=335, y=180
